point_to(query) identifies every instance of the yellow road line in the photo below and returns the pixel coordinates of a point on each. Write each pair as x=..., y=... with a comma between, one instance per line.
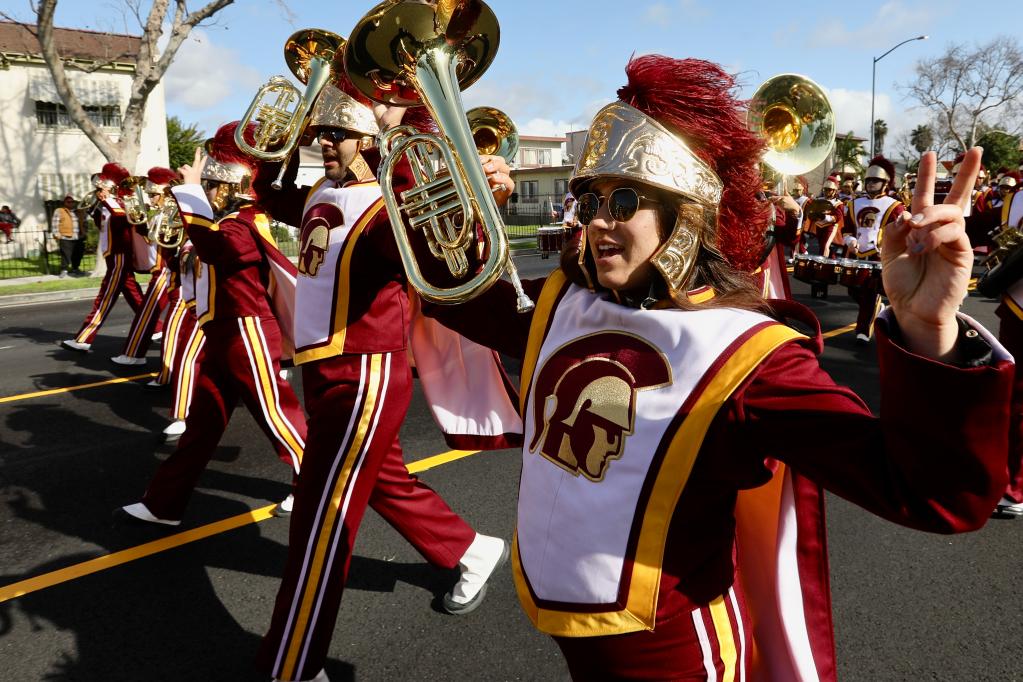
x=68, y=389
x=102, y=563
x=840, y=330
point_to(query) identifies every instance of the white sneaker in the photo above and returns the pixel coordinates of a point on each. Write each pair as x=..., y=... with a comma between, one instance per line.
x=141, y=512
x=153, y=383
x=284, y=507
x=320, y=677
x=1009, y=506
x=285, y=374
x=174, y=430
x=71, y=344
x=478, y=563
x=157, y=337
x=127, y=360
x=862, y=339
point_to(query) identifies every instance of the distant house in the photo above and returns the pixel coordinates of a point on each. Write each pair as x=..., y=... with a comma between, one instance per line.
x=44, y=155
x=541, y=171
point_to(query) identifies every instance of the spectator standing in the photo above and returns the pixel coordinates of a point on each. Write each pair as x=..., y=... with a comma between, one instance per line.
x=66, y=230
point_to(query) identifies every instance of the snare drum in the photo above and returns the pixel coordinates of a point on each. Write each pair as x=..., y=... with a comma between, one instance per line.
x=825, y=270
x=550, y=240
x=802, y=268
x=856, y=273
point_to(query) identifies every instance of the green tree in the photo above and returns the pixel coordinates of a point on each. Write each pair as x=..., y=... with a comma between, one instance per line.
x=880, y=130
x=922, y=138
x=1000, y=149
x=182, y=141
x=849, y=152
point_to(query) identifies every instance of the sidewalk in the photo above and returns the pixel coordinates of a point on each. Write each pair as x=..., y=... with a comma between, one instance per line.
x=24, y=298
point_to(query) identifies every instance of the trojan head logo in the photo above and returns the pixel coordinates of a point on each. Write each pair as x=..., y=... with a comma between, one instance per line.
x=584, y=404
x=316, y=226
x=867, y=217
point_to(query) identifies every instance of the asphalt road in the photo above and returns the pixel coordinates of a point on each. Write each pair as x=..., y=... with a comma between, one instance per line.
x=907, y=605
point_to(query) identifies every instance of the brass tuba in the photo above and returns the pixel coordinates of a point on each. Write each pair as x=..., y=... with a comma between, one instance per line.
x=279, y=109
x=135, y=204
x=794, y=116
x=409, y=52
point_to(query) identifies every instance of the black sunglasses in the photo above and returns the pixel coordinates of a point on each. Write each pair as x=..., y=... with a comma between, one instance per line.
x=622, y=204
x=335, y=135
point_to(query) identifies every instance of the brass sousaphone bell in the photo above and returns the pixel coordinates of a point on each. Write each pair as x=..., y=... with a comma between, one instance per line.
x=411, y=52
x=794, y=116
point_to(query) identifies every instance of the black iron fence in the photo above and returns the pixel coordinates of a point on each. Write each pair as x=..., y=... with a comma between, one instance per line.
x=33, y=252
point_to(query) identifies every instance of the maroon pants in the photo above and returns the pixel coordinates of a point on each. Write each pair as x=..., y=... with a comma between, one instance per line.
x=119, y=280
x=1010, y=333
x=686, y=646
x=353, y=459
x=869, y=300
x=241, y=359
x=189, y=344
x=175, y=314
x=148, y=319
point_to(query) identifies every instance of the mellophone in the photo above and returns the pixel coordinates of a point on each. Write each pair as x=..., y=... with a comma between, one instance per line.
x=847, y=272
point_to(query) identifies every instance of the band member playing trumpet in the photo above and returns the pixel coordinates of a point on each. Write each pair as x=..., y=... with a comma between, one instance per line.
x=236, y=266
x=147, y=323
x=656, y=381
x=115, y=243
x=866, y=217
x=351, y=334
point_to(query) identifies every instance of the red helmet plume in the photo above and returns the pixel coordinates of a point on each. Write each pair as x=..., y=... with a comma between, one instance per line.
x=696, y=100
x=115, y=172
x=158, y=175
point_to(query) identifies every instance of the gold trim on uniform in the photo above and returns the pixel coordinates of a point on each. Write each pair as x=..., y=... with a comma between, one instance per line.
x=642, y=590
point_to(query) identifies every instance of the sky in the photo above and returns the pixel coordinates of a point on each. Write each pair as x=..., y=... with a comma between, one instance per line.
x=559, y=61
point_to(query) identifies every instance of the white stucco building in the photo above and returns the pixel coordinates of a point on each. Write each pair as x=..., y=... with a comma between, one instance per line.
x=43, y=155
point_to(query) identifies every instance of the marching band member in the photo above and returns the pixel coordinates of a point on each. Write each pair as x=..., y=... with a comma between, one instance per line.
x=115, y=243
x=183, y=343
x=1010, y=334
x=831, y=224
x=848, y=190
x=865, y=220
x=237, y=264
x=147, y=325
x=655, y=382
x=351, y=334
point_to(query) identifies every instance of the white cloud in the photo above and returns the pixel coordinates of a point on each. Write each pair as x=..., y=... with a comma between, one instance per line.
x=204, y=74
x=663, y=13
x=852, y=112
x=891, y=23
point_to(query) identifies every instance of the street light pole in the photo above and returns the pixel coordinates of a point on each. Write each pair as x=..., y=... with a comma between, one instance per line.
x=873, y=81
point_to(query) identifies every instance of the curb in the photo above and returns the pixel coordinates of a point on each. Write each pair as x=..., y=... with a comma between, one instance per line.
x=13, y=300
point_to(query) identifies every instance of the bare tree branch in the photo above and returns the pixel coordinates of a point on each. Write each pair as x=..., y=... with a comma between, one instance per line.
x=967, y=88
x=150, y=67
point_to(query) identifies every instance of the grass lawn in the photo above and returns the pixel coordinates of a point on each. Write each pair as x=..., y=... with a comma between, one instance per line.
x=33, y=267
x=64, y=284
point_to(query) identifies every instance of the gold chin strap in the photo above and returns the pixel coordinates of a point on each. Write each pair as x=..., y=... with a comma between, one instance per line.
x=676, y=258
x=359, y=169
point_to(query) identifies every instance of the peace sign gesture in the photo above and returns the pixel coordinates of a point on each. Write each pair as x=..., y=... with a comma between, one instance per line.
x=927, y=259
x=192, y=174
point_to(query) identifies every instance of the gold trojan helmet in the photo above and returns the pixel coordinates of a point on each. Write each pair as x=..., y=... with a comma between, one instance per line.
x=232, y=181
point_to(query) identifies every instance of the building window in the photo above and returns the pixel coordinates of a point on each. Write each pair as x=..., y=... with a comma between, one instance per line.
x=533, y=156
x=561, y=187
x=529, y=189
x=54, y=115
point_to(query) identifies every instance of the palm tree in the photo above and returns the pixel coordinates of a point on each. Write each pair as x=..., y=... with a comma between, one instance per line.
x=922, y=138
x=849, y=152
x=880, y=130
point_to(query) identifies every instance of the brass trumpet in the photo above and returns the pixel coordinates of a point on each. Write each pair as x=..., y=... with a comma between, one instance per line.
x=279, y=109
x=407, y=52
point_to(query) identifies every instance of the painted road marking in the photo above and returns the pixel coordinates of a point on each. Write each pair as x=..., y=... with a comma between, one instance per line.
x=68, y=389
x=102, y=563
